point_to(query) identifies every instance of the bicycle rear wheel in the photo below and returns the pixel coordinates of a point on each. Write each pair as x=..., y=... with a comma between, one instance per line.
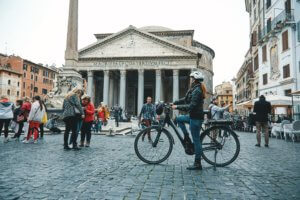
x=221, y=141
x=153, y=145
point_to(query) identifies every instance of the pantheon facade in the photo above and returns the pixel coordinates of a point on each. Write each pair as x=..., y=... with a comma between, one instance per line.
x=126, y=67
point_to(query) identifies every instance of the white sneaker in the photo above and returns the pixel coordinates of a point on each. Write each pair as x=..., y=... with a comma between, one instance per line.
x=35, y=141
x=25, y=141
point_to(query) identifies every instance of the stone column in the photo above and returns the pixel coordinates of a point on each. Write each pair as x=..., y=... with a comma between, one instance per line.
x=175, y=85
x=175, y=89
x=111, y=91
x=157, y=85
x=123, y=89
x=90, y=85
x=105, y=86
x=140, y=90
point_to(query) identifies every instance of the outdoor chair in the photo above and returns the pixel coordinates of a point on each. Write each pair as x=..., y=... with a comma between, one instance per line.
x=292, y=130
x=277, y=129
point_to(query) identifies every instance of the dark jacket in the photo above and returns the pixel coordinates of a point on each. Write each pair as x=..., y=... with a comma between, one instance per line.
x=192, y=102
x=262, y=108
x=69, y=104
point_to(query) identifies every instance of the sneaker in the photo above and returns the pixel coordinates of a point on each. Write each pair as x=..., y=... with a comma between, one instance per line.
x=35, y=141
x=266, y=145
x=67, y=148
x=76, y=148
x=25, y=141
x=6, y=140
x=197, y=166
x=87, y=145
x=257, y=145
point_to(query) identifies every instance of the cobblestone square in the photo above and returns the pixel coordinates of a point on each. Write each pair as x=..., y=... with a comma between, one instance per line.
x=109, y=169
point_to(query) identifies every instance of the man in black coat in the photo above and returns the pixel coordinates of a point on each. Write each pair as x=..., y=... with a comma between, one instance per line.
x=262, y=109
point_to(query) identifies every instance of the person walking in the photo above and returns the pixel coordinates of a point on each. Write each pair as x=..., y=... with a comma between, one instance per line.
x=71, y=110
x=101, y=115
x=147, y=115
x=89, y=112
x=6, y=115
x=193, y=104
x=35, y=117
x=26, y=107
x=43, y=122
x=18, y=119
x=262, y=109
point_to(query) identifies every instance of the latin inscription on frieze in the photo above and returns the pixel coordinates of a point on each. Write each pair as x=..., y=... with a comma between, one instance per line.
x=122, y=64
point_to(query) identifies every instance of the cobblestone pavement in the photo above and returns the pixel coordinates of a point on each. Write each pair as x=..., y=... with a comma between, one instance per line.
x=109, y=169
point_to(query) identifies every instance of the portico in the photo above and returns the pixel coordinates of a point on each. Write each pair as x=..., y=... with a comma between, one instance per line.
x=127, y=67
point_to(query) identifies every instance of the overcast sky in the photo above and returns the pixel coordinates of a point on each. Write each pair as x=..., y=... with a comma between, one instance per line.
x=36, y=29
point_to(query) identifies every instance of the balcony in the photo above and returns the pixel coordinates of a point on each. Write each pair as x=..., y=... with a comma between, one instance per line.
x=277, y=24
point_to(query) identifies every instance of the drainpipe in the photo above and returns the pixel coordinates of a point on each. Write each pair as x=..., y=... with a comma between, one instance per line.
x=294, y=55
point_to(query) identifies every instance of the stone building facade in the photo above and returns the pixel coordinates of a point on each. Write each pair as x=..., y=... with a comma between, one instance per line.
x=223, y=93
x=125, y=67
x=35, y=79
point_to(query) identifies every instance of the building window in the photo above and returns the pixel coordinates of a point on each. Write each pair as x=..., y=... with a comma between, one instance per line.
x=268, y=3
x=31, y=87
x=265, y=79
x=287, y=92
x=25, y=67
x=31, y=69
x=254, y=38
x=256, y=62
x=269, y=25
x=8, y=82
x=23, y=94
x=35, y=89
x=298, y=30
x=18, y=93
x=24, y=85
x=44, y=91
x=8, y=92
x=286, y=71
x=18, y=84
x=31, y=76
x=24, y=74
x=264, y=53
x=36, y=78
x=285, y=40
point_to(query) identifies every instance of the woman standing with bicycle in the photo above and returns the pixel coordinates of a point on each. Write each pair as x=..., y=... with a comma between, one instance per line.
x=193, y=103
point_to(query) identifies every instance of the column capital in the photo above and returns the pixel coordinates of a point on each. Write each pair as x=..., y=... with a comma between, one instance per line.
x=158, y=72
x=106, y=72
x=123, y=72
x=90, y=73
x=175, y=72
x=141, y=71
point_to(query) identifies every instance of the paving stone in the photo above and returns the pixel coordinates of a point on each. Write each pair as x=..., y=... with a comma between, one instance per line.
x=109, y=169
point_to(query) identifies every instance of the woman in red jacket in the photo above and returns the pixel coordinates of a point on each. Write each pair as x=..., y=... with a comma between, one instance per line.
x=89, y=111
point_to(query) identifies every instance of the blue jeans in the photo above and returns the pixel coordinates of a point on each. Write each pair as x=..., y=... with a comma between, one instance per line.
x=195, y=128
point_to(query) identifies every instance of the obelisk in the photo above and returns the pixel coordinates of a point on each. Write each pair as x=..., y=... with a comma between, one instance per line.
x=68, y=78
x=71, y=53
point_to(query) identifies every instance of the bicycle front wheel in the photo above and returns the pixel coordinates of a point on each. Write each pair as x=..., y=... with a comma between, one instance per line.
x=153, y=145
x=221, y=144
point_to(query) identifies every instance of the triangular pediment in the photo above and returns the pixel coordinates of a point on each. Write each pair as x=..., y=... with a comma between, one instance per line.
x=134, y=43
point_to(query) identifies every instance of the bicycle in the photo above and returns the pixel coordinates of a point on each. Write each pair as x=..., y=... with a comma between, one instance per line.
x=220, y=144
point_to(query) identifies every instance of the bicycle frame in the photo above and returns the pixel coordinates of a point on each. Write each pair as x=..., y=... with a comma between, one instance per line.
x=212, y=146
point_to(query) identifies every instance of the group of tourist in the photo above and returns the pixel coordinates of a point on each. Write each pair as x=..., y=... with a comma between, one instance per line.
x=30, y=116
x=25, y=115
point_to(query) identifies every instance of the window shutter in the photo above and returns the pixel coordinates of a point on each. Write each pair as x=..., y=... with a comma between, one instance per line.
x=298, y=30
